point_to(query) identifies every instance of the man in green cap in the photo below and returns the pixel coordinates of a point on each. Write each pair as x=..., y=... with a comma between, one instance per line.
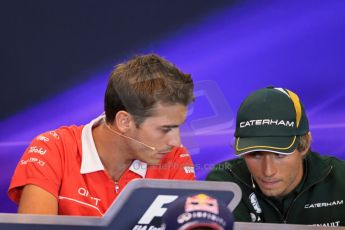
x=281, y=179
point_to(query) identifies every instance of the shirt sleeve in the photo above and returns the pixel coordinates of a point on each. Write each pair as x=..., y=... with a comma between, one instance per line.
x=40, y=165
x=182, y=165
x=219, y=173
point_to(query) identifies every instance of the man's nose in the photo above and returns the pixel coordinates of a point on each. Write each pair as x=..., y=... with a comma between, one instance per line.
x=174, y=138
x=269, y=166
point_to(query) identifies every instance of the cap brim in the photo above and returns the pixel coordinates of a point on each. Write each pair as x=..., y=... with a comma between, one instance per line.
x=280, y=145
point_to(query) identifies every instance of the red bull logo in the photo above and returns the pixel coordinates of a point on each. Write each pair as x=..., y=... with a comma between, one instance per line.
x=201, y=202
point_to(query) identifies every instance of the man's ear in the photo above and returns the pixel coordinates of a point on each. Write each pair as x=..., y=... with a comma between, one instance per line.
x=122, y=121
x=304, y=153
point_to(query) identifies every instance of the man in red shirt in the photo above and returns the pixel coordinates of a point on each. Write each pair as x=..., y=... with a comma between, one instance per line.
x=80, y=170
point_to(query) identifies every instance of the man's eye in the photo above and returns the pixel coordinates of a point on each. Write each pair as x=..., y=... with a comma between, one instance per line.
x=166, y=130
x=276, y=155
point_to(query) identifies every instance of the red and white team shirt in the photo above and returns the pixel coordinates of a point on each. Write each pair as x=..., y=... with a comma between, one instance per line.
x=65, y=163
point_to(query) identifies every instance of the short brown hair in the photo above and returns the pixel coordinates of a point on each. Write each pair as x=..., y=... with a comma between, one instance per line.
x=137, y=85
x=304, y=142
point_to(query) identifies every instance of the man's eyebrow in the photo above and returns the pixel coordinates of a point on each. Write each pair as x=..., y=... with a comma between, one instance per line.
x=170, y=126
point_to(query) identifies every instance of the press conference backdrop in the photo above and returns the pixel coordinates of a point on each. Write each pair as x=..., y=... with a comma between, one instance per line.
x=56, y=58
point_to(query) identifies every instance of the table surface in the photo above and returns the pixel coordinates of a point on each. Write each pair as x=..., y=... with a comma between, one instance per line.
x=266, y=226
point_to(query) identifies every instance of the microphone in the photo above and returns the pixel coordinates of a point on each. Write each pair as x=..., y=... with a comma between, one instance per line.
x=130, y=138
x=251, y=177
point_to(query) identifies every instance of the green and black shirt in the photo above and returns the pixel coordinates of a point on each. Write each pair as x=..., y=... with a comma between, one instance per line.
x=317, y=200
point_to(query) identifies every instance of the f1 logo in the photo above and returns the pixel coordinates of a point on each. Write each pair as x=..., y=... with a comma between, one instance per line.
x=156, y=208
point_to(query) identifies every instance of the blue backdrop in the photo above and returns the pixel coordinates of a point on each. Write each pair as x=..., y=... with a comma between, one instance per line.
x=230, y=50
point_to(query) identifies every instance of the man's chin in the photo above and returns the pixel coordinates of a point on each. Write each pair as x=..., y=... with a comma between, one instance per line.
x=272, y=193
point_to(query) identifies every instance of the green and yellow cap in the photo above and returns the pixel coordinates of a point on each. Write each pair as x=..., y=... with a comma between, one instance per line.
x=270, y=119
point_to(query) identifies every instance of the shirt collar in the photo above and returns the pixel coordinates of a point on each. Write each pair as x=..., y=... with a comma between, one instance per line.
x=139, y=168
x=90, y=159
